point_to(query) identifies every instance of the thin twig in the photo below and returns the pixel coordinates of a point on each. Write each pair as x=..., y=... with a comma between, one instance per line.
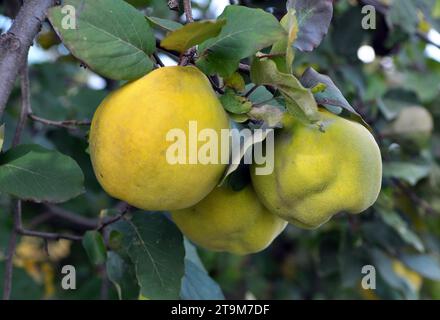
x=61, y=124
x=25, y=103
x=9, y=263
x=188, y=10
x=39, y=219
x=172, y=53
x=25, y=107
x=44, y=235
x=188, y=56
x=245, y=68
x=48, y=235
x=270, y=55
x=425, y=38
x=415, y=198
x=113, y=219
x=158, y=60
x=215, y=86
x=87, y=223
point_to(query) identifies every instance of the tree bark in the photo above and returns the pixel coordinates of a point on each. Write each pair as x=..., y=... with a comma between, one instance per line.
x=14, y=44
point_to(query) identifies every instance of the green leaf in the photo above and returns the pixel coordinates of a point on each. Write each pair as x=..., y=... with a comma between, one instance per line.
x=234, y=103
x=299, y=100
x=331, y=98
x=197, y=284
x=284, y=46
x=192, y=34
x=239, y=118
x=236, y=82
x=247, y=31
x=31, y=172
x=409, y=172
x=166, y=24
x=110, y=36
x=384, y=264
x=261, y=96
x=94, y=245
x=426, y=265
x=314, y=17
x=423, y=84
x=122, y=274
x=155, y=247
x=403, y=13
x=393, y=219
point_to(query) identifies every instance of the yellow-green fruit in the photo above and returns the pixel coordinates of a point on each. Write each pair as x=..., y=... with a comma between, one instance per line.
x=232, y=221
x=318, y=173
x=128, y=139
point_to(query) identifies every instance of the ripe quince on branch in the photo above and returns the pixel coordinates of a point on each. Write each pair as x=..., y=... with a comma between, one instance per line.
x=321, y=172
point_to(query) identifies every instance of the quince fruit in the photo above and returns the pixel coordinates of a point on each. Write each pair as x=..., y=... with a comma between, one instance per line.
x=319, y=172
x=128, y=139
x=232, y=221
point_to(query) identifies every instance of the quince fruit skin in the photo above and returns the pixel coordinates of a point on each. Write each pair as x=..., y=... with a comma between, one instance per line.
x=231, y=221
x=321, y=172
x=128, y=144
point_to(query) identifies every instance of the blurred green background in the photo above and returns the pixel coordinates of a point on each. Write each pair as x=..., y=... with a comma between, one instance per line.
x=391, y=75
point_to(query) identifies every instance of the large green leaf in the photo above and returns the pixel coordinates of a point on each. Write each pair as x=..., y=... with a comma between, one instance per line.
x=331, y=97
x=166, y=24
x=246, y=31
x=393, y=219
x=424, y=84
x=384, y=264
x=192, y=34
x=155, y=247
x=403, y=13
x=122, y=274
x=410, y=172
x=110, y=36
x=314, y=18
x=31, y=172
x=197, y=284
x=234, y=103
x=299, y=100
x=426, y=265
x=94, y=245
x=282, y=51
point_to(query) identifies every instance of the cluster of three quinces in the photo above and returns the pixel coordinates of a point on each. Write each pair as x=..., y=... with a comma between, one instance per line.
x=317, y=172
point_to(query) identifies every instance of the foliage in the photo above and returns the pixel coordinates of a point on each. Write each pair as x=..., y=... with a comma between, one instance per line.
x=143, y=254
